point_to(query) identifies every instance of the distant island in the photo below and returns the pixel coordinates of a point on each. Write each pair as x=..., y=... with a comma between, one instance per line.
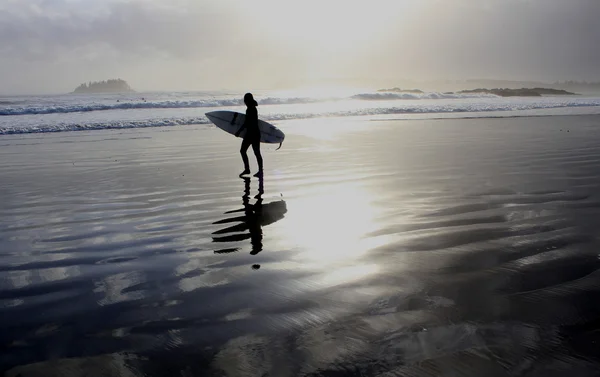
x=107, y=86
x=502, y=92
x=399, y=90
x=454, y=85
x=523, y=92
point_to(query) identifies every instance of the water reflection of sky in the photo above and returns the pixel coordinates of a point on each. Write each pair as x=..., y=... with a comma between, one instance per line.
x=406, y=246
x=329, y=224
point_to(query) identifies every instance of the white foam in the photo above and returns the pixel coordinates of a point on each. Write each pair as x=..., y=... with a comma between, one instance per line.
x=62, y=127
x=77, y=105
x=77, y=108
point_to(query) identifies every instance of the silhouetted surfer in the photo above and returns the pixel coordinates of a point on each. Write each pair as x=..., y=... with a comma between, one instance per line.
x=252, y=136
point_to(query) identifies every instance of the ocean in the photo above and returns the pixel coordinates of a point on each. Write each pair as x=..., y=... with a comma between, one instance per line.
x=76, y=112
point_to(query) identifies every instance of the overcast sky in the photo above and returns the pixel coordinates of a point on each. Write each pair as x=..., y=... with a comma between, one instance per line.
x=54, y=45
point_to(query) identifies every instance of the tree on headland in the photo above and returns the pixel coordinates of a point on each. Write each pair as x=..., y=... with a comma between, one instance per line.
x=106, y=86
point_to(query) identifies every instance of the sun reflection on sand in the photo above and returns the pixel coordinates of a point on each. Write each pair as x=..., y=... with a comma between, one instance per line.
x=330, y=225
x=326, y=130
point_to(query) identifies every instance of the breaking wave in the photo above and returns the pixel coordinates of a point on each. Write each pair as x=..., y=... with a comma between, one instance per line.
x=216, y=103
x=78, y=108
x=63, y=127
x=177, y=121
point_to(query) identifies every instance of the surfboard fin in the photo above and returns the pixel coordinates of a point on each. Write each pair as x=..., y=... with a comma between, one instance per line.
x=279, y=146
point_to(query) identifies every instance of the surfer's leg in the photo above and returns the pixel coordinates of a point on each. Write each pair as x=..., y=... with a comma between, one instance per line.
x=243, y=149
x=259, y=159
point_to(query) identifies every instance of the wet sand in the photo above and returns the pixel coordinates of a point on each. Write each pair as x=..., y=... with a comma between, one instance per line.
x=381, y=248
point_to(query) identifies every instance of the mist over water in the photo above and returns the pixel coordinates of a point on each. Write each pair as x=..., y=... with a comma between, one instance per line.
x=53, y=46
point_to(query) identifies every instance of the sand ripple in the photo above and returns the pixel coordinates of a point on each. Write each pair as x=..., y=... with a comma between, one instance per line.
x=455, y=247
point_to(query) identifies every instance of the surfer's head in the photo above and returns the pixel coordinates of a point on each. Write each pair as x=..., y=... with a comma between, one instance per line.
x=249, y=100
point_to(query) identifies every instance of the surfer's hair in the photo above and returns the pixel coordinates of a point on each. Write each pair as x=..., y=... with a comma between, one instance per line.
x=249, y=100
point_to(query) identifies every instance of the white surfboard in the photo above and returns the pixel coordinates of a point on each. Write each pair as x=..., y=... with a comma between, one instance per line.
x=230, y=121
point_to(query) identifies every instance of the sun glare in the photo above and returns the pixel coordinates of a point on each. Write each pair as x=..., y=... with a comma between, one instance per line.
x=329, y=129
x=330, y=225
x=331, y=24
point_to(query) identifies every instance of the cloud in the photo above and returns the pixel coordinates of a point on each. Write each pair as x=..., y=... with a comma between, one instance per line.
x=45, y=29
x=53, y=45
x=123, y=37
x=508, y=38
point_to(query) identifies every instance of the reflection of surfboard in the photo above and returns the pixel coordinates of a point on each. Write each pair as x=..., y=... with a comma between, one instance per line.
x=233, y=238
x=272, y=212
x=265, y=214
x=230, y=122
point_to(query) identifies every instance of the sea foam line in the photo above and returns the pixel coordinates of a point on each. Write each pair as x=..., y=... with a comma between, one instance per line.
x=229, y=102
x=423, y=110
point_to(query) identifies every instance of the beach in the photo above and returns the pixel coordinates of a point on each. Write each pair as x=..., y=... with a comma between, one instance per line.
x=417, y=247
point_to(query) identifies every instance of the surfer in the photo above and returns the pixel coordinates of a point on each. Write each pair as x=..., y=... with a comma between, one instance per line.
x=252, y=136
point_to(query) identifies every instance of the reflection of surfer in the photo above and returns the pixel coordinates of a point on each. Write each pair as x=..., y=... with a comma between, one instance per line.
x=255, y=217
x=252, y=136
x=251, y=221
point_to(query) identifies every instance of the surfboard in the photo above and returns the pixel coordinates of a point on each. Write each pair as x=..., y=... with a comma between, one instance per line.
x=230, y=121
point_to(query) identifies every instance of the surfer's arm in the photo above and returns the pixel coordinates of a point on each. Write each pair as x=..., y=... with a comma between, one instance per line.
x=253, y=120
x=237, y=133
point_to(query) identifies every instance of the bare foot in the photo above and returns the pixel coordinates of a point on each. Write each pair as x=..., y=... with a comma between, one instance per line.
x=259, y=174
x=247, y=171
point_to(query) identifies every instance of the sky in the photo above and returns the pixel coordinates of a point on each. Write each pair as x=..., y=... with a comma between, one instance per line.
x=51, y=46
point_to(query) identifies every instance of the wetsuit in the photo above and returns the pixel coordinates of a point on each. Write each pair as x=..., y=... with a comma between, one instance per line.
x=252, y=137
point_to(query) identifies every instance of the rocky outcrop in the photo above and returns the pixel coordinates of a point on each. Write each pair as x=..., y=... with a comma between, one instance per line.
x=107, y=86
